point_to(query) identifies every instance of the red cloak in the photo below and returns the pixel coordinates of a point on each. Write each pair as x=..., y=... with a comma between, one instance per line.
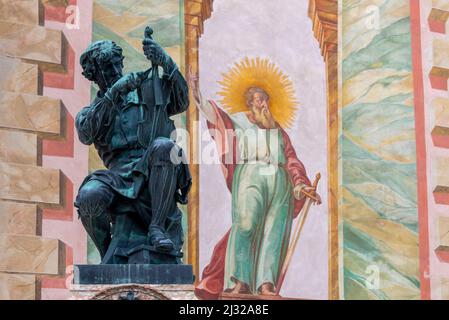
x=212, y=281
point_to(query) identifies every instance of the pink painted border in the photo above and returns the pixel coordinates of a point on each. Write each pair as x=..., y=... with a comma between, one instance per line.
x=421, y=161
x=66, y=153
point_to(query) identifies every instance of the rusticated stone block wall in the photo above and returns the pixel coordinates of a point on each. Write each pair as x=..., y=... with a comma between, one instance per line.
x=29, y=49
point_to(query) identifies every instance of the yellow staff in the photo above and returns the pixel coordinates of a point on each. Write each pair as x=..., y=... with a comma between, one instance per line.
x=302, y=218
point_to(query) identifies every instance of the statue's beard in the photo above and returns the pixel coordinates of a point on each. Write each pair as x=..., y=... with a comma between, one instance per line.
x=264, y=118
x=112, y=80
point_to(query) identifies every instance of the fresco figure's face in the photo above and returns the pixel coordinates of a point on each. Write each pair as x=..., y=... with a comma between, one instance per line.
x=111, y=71
x=259, y=107
x=260, y=103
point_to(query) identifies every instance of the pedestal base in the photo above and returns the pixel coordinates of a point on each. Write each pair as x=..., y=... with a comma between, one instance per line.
x=133, y=273
x=133, y=282
x=132, y=292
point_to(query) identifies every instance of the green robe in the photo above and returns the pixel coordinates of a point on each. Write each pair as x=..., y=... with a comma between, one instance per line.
x=262, y=208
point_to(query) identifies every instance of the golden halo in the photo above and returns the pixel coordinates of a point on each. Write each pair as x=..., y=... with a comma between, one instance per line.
x=263, y=74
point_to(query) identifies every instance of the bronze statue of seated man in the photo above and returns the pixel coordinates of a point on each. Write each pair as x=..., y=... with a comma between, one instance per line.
x=133, y=202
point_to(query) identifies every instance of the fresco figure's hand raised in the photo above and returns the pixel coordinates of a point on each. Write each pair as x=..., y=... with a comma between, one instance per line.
x=194, y=85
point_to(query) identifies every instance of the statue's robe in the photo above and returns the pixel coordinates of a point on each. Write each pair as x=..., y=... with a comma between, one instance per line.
x=123, y=134
x=254, y=249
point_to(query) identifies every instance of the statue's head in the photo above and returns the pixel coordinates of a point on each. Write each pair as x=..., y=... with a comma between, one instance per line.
x=102, y=62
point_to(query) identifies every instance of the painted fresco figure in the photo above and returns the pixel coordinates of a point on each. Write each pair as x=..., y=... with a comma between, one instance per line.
x=266, y=183
x=134, y=201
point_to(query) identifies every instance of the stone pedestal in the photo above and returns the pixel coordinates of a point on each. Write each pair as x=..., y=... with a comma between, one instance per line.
x=133, y=282
x=133, y=273
x=133, y=292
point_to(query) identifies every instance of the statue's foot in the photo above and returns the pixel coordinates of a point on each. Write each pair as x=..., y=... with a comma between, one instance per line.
x=239, y=288
x=267, y=289
x=159, y=240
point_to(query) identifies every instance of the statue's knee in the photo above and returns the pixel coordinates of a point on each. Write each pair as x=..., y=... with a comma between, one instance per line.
x=163, y=151
x=93, y=199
